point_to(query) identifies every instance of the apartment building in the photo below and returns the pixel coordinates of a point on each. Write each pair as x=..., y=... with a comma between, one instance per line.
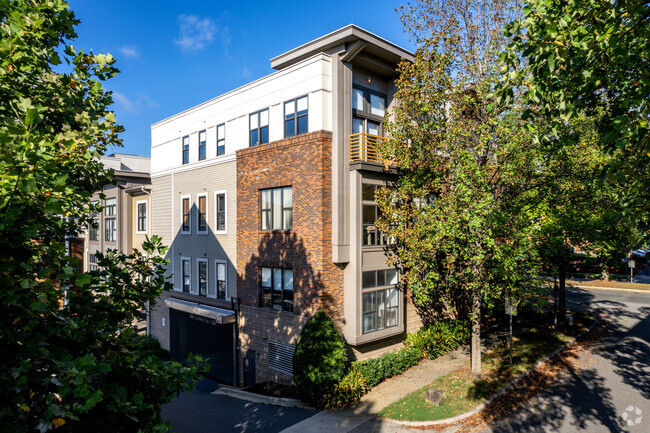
x=124, y=222
x=266, y=197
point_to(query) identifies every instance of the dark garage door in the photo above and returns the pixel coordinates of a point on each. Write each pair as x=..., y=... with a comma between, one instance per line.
x=201, y=336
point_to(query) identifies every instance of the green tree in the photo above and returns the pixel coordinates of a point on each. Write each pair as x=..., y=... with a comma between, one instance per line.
x=75, y=367
x=589, y=57
x=456, y=213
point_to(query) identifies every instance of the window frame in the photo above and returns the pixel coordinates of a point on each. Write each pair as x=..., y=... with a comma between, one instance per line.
x=218, y=262
x=94, y=221
x=272, y=290
x=185, y=151
x=222, y=139
x=203, y=260
x=199, y=213
x=380, y=238
x=92, y=264
x=225, y=212
x=189, y=275
x=295, y=117
x=203, y=145
x=113, y=236
x=110, y=209
x=387, y=289
x=284, y=227
x=187, y=231
x=138, y=217
x=259, y=128
x=365, y=114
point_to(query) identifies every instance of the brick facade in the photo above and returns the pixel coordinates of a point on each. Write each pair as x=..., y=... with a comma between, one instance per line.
x=304, y=163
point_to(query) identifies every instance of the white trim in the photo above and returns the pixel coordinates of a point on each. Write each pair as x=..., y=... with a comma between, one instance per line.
x=228, y=157
x=207, y=276
x=146, y=217
x=184, y=232
x=198, y=212
x=216, y=276
x=225, y=230
x=189, y=259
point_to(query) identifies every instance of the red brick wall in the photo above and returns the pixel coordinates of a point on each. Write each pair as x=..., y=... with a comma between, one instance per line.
x=304, y=163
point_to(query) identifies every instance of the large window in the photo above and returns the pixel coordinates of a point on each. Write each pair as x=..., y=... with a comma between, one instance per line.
x=110, y=206
x=277, y=289
x=142, y=216
x=202, y=145
x=380, y=307
x=370, y=213
x=110, y=232
x=368, y=110
x=221, y=139
x=259, y=127
x=202, y=221
x=220, y=272
x=186, y=149
x=93, y=226
x=186, y=281
x=276, y=207
x=92, y=262
x=295, y=117
x=202, y=268
x=220, y=211
x=185, y=208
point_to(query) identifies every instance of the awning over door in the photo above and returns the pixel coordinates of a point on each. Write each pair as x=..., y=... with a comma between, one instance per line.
x=219, y=315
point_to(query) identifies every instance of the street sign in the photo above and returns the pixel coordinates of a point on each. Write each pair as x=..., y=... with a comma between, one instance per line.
x=631, y=264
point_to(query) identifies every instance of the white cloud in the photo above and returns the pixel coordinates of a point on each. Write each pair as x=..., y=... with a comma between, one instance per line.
x=129, y=51
x=246, y=73
x=142, y=102
x=195, y=33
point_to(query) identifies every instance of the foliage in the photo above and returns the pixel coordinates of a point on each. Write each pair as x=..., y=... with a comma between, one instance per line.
x=589, y=58
x=439, y=337
x=320, y=359
x=148, y=345
x=350, y=389
x=389, y=364
x=457, y=212
x=75, y=367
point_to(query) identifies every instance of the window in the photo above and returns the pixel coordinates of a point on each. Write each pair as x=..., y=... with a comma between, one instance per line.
x=295, y=117
x=110, y=232
x=259, y=127
x=93, y=226
x=186, y=226
x=202, y=268
x=276, y=208
x=92, y=262
x=221, y=139
x=201, y=145
x=368, y=111
x=202, y=222
x=110, y=206
x=370, y=213
x=186, y=281
x=186, y=149
x=220, y=273
x=277, y=289
x=380, y=307
x=142, y=216
x=220, y=211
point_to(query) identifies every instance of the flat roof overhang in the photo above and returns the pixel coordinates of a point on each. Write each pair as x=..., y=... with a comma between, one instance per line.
x=220, y=315
x=377, y=46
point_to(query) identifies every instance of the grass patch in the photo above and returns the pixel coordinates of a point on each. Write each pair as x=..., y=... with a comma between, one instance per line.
x=464, y=393
x=614, y=284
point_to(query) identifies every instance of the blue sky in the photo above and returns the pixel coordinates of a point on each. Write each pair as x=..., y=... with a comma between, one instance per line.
x=174, y=55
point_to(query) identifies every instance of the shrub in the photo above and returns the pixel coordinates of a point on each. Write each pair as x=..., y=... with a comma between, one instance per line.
x=388, y=365
x=320, y=359
x=148, y=345
x=350, y=389
x=439, y=337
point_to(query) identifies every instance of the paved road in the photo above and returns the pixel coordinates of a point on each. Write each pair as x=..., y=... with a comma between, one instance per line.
x=203, y=412
x=608, y=380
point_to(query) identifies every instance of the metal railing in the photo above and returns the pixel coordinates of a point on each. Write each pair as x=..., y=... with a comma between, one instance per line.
x=364, y=147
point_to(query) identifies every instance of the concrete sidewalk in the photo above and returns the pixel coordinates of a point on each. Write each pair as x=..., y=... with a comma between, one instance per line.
x=360, y=417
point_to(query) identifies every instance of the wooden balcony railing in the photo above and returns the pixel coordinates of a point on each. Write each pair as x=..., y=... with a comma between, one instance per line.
x=364, y=148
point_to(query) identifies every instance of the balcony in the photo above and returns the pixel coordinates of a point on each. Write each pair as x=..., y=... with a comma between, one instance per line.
x=364, y=148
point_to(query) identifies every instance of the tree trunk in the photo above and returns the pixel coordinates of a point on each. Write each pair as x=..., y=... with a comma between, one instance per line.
x=562, y=293
x=605, y=273
x=475, y=345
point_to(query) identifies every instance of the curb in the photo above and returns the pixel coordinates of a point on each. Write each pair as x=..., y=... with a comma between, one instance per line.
x=264, y=399
x=608, y=288
x=502, y=391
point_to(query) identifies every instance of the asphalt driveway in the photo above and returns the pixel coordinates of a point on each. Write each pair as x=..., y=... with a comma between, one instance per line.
x=203, y=412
